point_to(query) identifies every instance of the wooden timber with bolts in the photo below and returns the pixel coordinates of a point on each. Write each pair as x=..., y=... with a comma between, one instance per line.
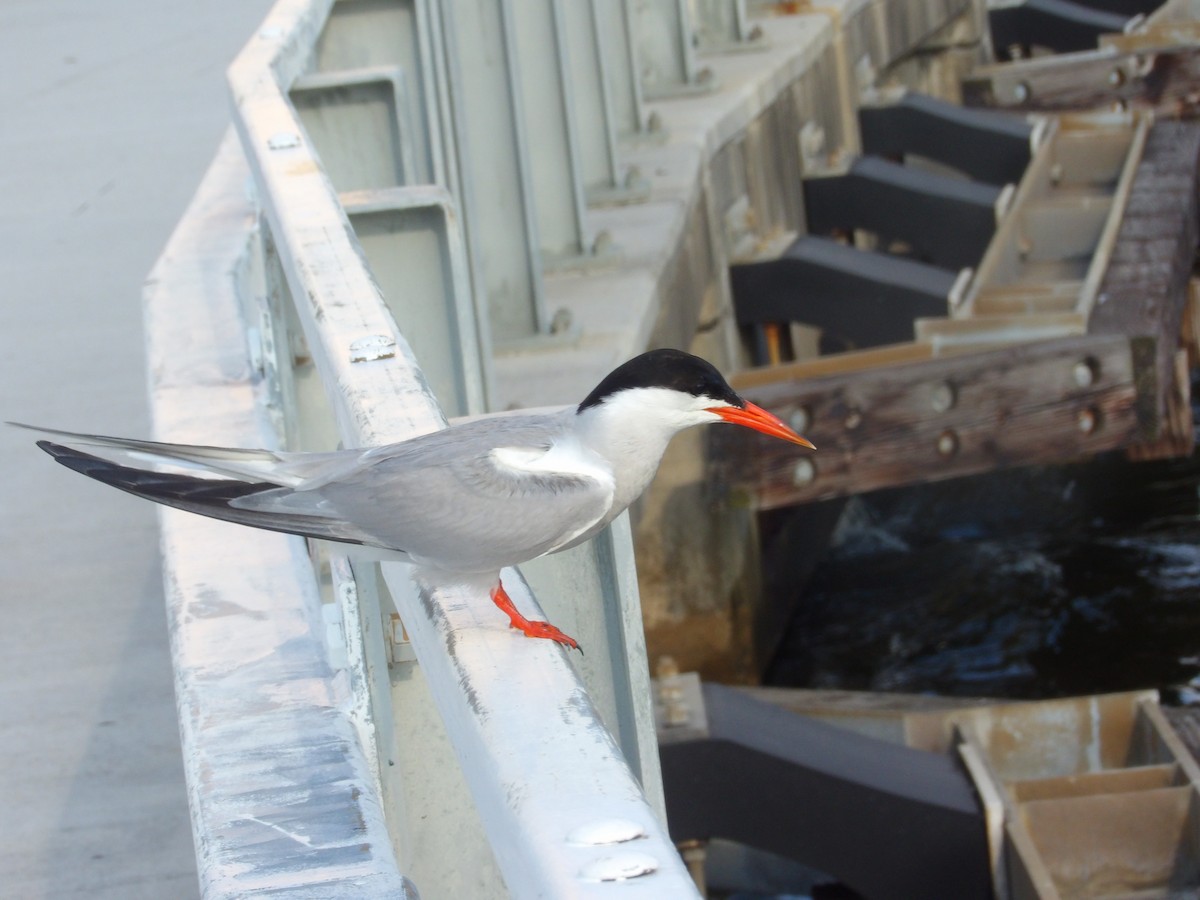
x=930, y=410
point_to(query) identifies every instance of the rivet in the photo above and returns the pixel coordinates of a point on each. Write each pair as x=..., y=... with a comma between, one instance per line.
x=283, y=140
x=372, y=347
x=947, y=444
x=800, y=419
x=944, y=397
x=606, y=831
x=853, y=419
x=1116, y=78
x=1088, y=420
x=560, y=322
x=804, y=473
x=603, y=242
x=1086, y=371
x=1021, y=92
x=619, y=868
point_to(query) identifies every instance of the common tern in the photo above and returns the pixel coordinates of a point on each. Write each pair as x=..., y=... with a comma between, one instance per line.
x=467, y=500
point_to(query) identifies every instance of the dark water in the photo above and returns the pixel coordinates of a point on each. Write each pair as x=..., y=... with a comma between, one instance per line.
x=1027, y=583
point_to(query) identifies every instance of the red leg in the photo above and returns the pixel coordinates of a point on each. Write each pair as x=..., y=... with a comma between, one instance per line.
x=525, y=626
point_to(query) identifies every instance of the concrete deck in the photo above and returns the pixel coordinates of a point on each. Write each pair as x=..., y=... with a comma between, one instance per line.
x=111, y=114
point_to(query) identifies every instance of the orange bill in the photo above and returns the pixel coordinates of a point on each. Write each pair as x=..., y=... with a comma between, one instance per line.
x=760, y=420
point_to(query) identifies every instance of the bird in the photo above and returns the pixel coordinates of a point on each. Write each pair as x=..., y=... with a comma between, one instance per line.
x=467, y=500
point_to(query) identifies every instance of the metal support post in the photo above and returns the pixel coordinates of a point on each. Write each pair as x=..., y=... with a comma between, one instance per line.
x=499, y=214
x=665, y=54
x=544, y=80
x=614, y=22
x=722, y=25
x=588, y=56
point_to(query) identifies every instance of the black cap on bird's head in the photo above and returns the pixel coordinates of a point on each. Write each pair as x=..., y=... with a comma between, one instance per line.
x=679, y=371
x=670, y=369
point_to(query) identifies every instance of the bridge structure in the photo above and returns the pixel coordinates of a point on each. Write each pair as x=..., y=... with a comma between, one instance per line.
x=427, y=210
x=455, y=209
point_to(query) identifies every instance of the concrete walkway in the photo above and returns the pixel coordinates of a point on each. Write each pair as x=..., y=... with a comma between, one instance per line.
x=111, y=112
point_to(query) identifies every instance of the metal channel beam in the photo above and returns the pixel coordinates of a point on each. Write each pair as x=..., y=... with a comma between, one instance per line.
x=947, y=221
x=554, y=795
x=722, y=25
x=499, y=213
x=819, y=794
x=614, y=22
x=665, y=50
x=547, y=118
x=862, y=297
x=585, y=52
x=982, y=145
x=1060, y=25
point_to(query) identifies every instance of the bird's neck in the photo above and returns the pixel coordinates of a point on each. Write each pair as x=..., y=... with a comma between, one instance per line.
x=632, y=445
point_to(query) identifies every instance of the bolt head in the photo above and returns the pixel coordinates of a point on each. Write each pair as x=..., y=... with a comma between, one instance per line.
x=283, y=140
x=1085, y=372
x=944, y=397
x=800, y=419
x=804, y=473
x=947, y=444
x=1088, y=421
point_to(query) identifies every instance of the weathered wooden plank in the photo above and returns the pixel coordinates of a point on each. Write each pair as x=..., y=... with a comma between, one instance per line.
x=855, y=361
x=1145, y=288
x=940, y=418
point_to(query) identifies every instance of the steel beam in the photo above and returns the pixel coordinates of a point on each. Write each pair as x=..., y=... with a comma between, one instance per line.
x=858, y=296
x=499, y=214
x=946, y=221
x=723, y=25
x=665, y=49
x=1059, y=25
x=983, y=145
x=585, y=51
x=614, y=24
x=547, y=118
x=822, y=795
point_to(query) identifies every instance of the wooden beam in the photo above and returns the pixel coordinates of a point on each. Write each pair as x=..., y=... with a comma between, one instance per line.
x=1145, y=287
x=938, y=418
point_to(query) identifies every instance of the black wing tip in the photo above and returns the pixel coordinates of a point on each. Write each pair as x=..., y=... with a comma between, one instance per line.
x=162, y=487
x=212, y=497
x=72, y=459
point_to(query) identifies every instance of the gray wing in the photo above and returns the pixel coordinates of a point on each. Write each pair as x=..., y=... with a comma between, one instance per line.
x=447, y=500
x=272, y=466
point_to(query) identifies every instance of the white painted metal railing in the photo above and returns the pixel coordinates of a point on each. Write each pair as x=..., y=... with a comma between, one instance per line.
x=561, y=808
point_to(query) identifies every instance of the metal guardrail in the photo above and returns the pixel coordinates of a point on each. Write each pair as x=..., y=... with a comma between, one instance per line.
x=561, y=808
